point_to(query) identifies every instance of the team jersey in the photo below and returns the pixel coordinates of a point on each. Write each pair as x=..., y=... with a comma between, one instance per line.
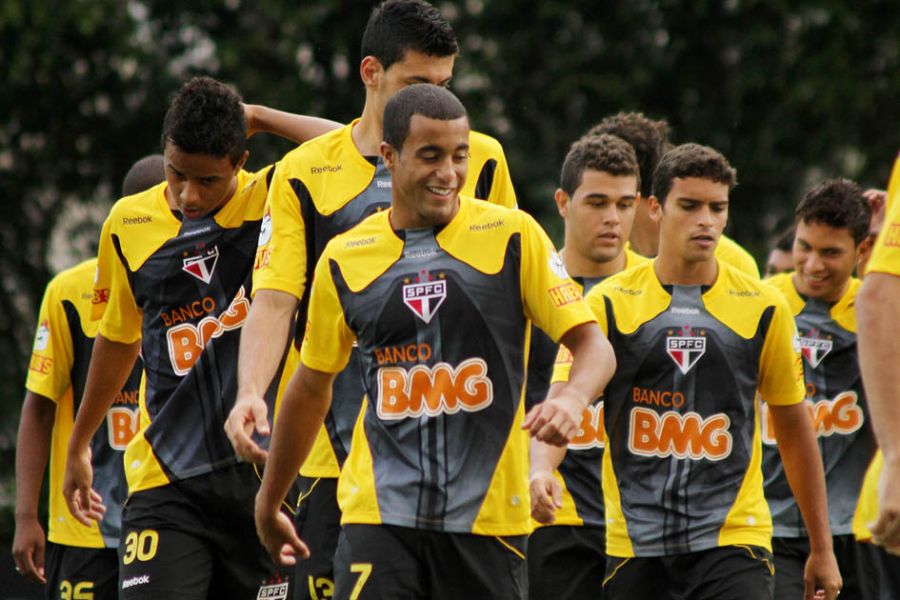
x=885, y=259
x=579, y=472
x=442, y=318
x=181, y=287
x=58, y=371
x=681, y=467
x=836, y=400
x=732, y=253
x=319, y=190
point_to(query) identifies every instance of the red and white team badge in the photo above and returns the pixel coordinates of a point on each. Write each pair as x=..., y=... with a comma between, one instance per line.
x=815, y=349
x=42, y=339
x=202, y=265
x=685, y=351
x=425, y=295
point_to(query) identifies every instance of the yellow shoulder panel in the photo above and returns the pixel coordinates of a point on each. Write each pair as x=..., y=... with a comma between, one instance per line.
x=366, y=251
x=480, y=233
x=636, y=296
x=143, y=223
x=734, y=254
x=784, y=283
x=738, y=300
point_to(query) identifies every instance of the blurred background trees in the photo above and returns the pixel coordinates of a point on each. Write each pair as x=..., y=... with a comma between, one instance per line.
x=790, y=91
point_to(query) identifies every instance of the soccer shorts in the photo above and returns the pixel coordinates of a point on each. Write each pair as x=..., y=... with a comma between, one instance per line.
x=724, y=573
x=318, y=523
x=387, y=562
x=879, y=573
x=790, y=561
x=74, y=572
x=196, y=539
x=566, y=562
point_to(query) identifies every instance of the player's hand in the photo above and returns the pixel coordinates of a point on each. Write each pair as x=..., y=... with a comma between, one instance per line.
x=821, y=577
x=247, y=416
x=555, y=420
x=84, y=503
x=886, y=529
x=546, y=496
x=28, y=549
x=877, y=200
x=277, y=534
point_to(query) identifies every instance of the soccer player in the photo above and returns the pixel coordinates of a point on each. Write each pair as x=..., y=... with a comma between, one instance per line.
x=437, y=293
x=832, y=222
x=319, y=190
x=599, y=190
x=780, y=259
x=76, y=561
x=694, y=340
x=650, y=140
x=173, y=281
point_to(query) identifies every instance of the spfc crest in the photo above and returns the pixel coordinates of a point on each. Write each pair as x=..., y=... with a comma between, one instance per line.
x=202, y=265
x=425, y=298
x=814, y=350
x=685, y=351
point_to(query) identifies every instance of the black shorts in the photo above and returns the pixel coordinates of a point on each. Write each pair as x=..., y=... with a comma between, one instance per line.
x=196, y=539
x=318, y=523
x=725, y=573
x=386, y=562
x=74, y=572
x=566, y=562
x=879, y=573
x=790, y=562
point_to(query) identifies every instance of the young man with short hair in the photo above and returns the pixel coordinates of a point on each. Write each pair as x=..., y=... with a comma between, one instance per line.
x=694, y=340
x=173, y=282
x=438, y=293
x=832, y=222
x=598, y=194
x=80, y=560
x=319, y=190
x=780, y=259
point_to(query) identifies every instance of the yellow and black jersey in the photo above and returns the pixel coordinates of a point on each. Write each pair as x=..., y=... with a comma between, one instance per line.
x=834, y=392
x=681, y=467
x=579, y=472
x=319, y=190
x=181, y=287
x=58, y=371
x=732, y=253
x=441, y=317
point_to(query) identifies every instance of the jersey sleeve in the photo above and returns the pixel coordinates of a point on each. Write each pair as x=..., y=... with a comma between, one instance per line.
x=502, y=191
x=122, y=319
x=886, y=255
x=328, y=340
x=780, y=364
x=552, y=300
x=105, y=252
x=281, y=254
x=49, y=371
x=563, y=364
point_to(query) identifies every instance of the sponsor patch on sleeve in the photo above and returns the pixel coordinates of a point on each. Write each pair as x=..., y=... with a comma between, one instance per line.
x=566, y=293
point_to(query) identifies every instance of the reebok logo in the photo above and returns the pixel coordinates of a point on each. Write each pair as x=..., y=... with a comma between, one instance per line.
x=326, y=169
x=137, y=580
x=136, y=220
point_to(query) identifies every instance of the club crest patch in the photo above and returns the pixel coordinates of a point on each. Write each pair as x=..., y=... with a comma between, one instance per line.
x=42, y=339
x=815, y=350
x=265, y=230
x=202, y=265
x=685, y=351
x=425, y=294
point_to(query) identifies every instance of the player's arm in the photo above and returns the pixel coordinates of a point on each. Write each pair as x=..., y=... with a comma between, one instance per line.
x=556, y=420
x=299, y=128
x=263, y=341
x=111, y=364
x=303, y=408
x=546, y=491
x=878, y=319
x=32, y=451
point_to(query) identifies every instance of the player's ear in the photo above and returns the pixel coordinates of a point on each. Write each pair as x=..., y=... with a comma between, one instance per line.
x=370, y=71
x=655, y=208
x=388, y=155
x=562, y=202
x=240, y=164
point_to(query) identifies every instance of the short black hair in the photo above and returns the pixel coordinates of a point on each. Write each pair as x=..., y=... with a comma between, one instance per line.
x=431, y=101
x=647, y=136
x=144, y=174
x=691, y=160
x=784, y=241
x=837, y=203
x=206, y=117
x=605, y=153
x=396, y=26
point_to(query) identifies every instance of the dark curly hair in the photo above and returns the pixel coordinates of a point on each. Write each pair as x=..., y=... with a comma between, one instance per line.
x=206, y=117
x=837, y=203
x=691, y=160
x=604, y=152
x=396, y=26
x=648, y=137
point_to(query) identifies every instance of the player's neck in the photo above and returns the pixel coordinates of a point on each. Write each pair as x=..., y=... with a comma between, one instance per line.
x=645, y=241
x=368, y=132
x=582, y=266
x=673, y=270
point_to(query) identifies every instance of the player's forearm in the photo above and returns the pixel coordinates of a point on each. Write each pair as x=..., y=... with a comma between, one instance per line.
x=111, y=364
x=545, y=457
x=878, y=318
x=803, y=467
x=298, y=128
x=32, y=452
x=593, y=361
x=264, y=338
x=303, y=408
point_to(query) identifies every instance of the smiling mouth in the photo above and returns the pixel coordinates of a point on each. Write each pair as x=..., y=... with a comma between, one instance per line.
x=439, y=191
